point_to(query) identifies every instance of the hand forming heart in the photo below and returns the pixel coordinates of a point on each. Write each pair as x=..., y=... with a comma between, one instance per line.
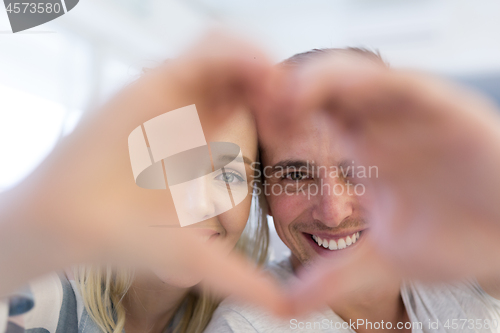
x=434, y=213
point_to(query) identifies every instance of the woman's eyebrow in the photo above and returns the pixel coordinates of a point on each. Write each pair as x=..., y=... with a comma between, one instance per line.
x=230, y=158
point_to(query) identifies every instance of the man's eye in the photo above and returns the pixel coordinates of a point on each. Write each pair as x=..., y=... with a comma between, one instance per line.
x=229, y=177
x=349, y=177
x=295, y=176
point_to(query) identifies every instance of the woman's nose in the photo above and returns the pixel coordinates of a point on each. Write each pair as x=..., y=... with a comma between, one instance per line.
x=193, y=201
x=200, y=199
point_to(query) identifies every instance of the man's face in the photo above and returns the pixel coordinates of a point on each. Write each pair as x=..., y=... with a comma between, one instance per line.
x=312, y=193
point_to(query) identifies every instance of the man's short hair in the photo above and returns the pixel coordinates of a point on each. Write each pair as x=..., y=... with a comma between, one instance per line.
x=301, y=58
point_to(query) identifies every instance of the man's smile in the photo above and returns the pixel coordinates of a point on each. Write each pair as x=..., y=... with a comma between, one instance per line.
x=324, y=243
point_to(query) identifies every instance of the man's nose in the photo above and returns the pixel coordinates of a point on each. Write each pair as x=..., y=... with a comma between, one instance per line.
x=333, y=202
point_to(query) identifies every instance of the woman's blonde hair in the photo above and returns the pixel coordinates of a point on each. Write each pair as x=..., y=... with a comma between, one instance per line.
x=103, y=288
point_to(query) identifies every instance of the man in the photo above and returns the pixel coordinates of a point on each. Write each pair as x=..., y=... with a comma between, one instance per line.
x=317, y=197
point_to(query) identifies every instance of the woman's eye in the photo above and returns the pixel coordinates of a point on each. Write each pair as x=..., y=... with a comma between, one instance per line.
x=229, y=177
x=296, y=176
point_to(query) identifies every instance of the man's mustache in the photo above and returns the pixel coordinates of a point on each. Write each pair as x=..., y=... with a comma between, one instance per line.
x=347, y=223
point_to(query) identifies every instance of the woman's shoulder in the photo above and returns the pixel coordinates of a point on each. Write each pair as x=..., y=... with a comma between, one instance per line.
x=55, y=306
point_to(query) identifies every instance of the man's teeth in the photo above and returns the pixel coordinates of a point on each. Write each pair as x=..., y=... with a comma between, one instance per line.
x=340, y=244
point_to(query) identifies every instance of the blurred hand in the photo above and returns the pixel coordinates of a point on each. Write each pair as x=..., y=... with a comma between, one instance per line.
x=436, y=148
x=82, y=204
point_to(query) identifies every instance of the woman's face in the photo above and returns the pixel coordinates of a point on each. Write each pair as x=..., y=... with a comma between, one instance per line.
x=227, y=227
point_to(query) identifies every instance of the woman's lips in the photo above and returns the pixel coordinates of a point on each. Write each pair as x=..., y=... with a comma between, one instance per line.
x=206, y=234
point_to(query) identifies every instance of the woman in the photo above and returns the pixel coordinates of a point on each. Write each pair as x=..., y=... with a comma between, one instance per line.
x=153, y=299
x=100, y=210
x=147, y=301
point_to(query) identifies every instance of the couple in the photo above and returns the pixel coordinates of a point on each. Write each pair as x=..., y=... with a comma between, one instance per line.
x=327, y=223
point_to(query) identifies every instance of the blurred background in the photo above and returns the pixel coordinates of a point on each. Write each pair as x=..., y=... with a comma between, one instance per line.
x=50, y=75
